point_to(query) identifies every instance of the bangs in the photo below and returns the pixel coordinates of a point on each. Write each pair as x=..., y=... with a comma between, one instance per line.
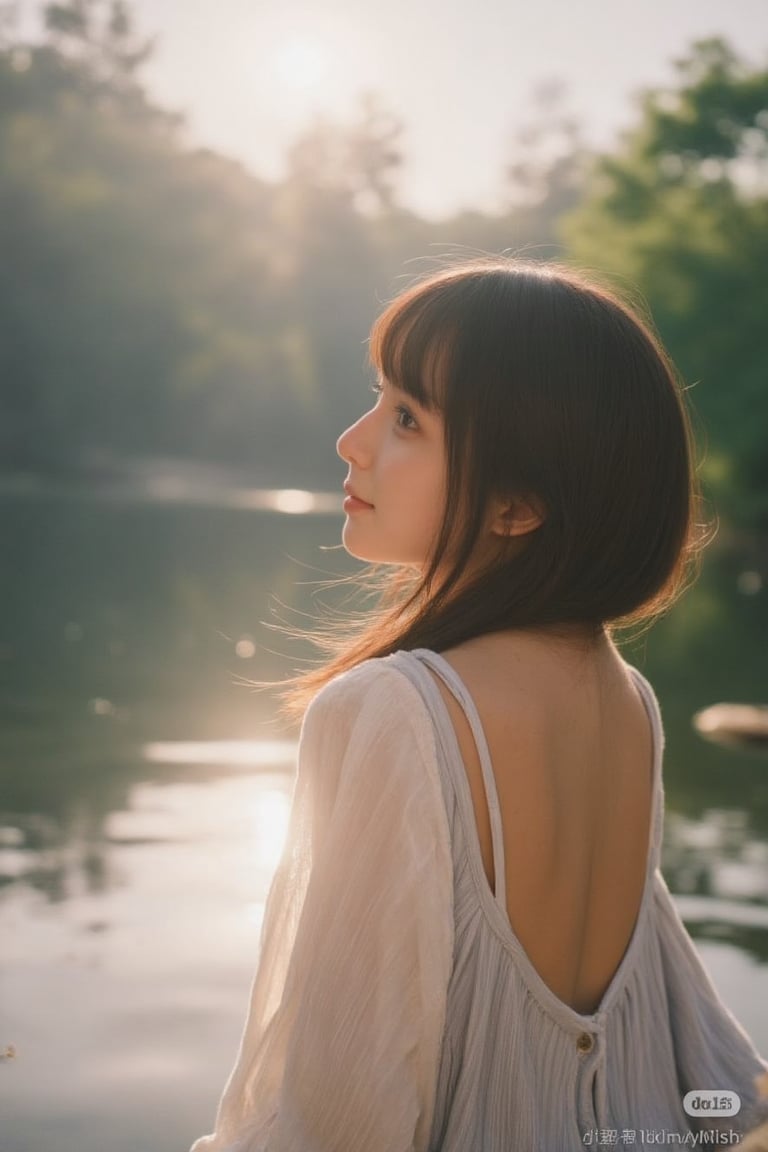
x=411, y=345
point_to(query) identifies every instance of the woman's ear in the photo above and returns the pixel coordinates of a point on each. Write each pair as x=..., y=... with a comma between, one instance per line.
x=516, y=516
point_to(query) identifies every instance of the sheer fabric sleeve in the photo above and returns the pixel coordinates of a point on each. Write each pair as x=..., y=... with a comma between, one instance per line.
x=712, y=1049
x=342, y=1040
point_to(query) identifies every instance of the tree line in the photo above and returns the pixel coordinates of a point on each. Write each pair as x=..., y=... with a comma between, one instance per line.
x=162, y=299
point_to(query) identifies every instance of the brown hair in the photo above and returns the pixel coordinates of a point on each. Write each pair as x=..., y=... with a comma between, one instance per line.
x=548, y=386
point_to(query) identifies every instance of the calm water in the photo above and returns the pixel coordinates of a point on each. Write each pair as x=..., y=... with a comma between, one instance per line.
x=144, y=794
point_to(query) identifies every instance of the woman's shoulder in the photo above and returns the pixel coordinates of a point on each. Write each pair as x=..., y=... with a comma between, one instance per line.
x=369, y=717
x=376, y=688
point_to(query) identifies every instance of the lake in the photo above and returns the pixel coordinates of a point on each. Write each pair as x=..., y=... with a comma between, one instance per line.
x=145, y=791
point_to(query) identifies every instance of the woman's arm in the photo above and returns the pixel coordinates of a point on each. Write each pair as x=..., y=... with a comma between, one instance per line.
x=342, y=1041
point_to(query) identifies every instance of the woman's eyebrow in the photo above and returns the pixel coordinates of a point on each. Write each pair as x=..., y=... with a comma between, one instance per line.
x=426, y=411
x=409, y=395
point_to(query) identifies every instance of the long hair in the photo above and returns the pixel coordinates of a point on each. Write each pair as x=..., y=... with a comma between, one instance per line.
x=548, y=386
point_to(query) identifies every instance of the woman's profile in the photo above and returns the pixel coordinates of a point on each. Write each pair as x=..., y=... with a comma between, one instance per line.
x=468, y=945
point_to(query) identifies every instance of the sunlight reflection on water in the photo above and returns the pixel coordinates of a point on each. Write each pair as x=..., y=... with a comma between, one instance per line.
x=144, y=1013
x=179, y=484
x=134, y=1027
x=233, y=753
x=292, y=501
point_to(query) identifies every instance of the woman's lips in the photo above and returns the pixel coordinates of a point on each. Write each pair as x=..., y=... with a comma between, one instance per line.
x=353, y=504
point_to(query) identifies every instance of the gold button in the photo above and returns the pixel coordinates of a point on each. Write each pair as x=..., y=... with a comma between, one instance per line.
x=585, y=1042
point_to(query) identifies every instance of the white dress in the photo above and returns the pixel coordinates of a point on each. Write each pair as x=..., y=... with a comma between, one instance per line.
x=395, y=1010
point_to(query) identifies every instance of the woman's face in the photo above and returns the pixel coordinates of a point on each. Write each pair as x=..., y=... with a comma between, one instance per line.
x=397, y=465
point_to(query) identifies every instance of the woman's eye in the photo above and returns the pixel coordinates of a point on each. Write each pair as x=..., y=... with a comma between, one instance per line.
x=401, y=411
x=405, y=418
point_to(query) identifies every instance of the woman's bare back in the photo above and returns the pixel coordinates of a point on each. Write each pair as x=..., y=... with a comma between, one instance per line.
x=571, y=748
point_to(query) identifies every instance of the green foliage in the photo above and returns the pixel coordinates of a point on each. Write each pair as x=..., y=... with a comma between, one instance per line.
x=681, y=210
x=155, y=299
x=160, y=300
x=123, y=256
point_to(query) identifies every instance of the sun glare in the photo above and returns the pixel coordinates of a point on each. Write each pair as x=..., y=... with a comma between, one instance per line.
x=301, y=64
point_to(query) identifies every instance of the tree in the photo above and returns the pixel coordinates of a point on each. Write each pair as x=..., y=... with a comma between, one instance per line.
x=100, y=35
x=375, y=155
x=548, y=157
x=359, y=161
x=681, y=210
x=133, y=268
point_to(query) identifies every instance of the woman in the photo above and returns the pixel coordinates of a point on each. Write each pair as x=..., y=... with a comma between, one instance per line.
x=468, y=945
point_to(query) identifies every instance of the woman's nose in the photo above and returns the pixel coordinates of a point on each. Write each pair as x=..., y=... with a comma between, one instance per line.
x=350, y=445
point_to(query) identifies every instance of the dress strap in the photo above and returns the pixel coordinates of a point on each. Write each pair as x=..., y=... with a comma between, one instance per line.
x=458, y=689
x=657, y=734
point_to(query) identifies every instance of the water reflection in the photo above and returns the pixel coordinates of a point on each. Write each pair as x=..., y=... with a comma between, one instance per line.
x=178, y=483
x=162, y=956
x=145, y=792
x=64, y=863
x=233, y=753
x=716, y=856
x=160, y=959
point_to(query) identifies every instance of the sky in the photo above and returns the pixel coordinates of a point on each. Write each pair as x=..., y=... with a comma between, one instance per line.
x=461, y=74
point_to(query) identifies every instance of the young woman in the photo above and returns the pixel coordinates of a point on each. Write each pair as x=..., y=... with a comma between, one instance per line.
x=468, y=945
